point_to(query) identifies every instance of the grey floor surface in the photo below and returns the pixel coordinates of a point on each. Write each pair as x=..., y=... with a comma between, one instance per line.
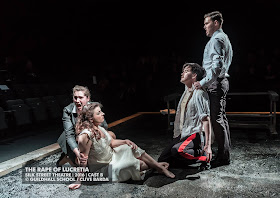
x=253, y=172
x=28, y=141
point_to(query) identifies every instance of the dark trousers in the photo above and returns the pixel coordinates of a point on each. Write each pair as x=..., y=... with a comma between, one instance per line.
x=166, y=155
x=217, y=94
x=183, y=152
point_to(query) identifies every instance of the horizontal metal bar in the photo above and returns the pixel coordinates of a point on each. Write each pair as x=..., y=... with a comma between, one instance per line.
x=251, y=112
x=250, y=115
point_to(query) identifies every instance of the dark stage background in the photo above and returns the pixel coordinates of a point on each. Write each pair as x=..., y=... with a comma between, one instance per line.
x=134, y=48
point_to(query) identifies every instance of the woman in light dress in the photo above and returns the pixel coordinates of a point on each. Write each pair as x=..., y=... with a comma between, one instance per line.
x=125, y=157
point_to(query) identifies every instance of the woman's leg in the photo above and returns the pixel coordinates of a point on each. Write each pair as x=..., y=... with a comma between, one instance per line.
x=143, y=165
x=164, y=164
x=151, y=163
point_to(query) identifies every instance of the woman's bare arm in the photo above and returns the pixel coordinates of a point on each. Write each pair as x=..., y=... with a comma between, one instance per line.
x=84, y=144
x=117, y=142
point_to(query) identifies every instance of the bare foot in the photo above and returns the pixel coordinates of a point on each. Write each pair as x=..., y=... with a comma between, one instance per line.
x=164, y=164
x=167, y=173
x=75, y=185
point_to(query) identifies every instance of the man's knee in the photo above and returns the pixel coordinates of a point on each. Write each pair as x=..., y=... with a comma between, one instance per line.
x=174, y=152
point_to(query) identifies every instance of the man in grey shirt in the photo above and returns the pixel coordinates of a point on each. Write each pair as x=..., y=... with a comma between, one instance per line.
x=67, y=140
x=217, y=58
x=192, y=117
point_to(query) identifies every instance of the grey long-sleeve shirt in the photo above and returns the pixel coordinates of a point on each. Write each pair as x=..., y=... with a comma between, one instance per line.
x=217, y=58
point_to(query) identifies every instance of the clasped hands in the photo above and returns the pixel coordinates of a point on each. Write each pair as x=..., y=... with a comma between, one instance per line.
x=82, y=159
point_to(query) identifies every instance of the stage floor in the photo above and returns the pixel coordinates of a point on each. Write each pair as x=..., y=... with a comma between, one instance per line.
x=254, y=170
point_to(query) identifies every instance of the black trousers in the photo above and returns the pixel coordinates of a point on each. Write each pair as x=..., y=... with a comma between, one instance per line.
x=217, y=94
x=166, y=155
x=182, y=152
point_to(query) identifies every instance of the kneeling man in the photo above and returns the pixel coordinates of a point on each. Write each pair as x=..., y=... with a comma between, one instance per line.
x=192, y=118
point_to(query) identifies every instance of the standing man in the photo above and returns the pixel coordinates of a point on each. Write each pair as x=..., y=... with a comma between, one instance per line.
x=67, y=140
x=192, y=116
x=217, y=58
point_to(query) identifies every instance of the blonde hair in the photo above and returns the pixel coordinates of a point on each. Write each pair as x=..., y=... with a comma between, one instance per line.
x=84, y=120
x=82, y=88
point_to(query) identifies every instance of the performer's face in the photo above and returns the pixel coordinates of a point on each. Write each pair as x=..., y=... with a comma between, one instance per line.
x=186, y=75
x=80, y=99
x=98, y=116
x=210, y=26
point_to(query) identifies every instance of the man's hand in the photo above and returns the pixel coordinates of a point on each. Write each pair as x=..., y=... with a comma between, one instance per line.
x=197, y=85
x=83, y=159
x=208, y=151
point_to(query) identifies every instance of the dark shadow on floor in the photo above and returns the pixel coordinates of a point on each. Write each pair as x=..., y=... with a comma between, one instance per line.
x=156, y=180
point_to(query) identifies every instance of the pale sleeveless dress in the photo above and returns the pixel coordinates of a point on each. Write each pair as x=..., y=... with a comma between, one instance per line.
x=123, y=159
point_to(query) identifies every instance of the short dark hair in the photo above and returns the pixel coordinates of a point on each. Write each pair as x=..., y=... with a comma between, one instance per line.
x=196, y=69
x=216, y=15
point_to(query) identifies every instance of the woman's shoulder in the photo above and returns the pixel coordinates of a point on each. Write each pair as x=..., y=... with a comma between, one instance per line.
x=86, y=132
x=84, y=137
x=102, y=129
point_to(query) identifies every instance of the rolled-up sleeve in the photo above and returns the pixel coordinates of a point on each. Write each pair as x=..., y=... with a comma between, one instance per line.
x=202, y=101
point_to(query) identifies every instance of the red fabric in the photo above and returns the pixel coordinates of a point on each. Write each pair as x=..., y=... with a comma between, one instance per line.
x=186, y=155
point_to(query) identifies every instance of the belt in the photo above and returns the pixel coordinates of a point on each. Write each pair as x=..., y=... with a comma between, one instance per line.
x=220, y=79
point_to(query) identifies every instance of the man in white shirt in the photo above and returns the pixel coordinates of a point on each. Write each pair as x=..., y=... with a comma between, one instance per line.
x=192, y=116
x=217, y=58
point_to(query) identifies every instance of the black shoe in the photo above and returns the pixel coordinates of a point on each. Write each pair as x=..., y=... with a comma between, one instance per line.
x=204, y=166
x=60, y=158
x=220, y=162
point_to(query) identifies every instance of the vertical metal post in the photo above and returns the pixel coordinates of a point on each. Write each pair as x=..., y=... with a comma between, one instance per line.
x=274, y=132
x=168, y=115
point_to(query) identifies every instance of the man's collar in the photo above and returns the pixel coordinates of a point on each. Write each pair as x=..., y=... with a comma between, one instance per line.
x=193, y=87
x=74, y=110
x=217, y=31
x=187, y=88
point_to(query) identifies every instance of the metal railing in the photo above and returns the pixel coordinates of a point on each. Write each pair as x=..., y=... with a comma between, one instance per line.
x=270, y=123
